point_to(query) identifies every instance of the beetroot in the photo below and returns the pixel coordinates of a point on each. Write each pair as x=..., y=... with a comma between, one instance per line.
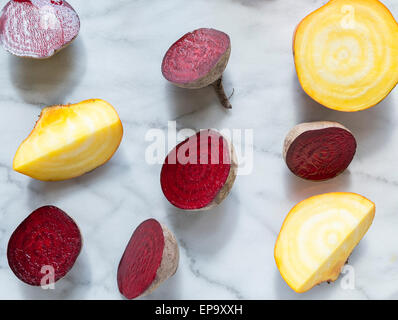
x=46, y=238
x=37, y=28
x=197, y=60
x=199, y=172
x=150, y=258
x=319, y=150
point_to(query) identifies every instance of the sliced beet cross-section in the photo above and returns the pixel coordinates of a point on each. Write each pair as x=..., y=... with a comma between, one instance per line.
x=197, y=60
x=151, y=257
x=47, y=238
x=319, y=150
x=199, y=173
x=37, y=28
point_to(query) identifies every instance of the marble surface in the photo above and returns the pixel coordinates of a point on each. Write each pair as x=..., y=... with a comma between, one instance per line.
x=226, y=253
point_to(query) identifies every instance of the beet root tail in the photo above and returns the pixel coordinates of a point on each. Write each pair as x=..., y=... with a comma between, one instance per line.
x=219, y=88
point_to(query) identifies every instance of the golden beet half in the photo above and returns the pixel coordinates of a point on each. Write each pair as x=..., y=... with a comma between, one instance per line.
x=318, y=235
x=69, y=141
x=346, y=54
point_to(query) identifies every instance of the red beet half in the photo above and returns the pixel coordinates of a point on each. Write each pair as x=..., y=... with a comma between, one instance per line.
x=198, y=60
x=319, y=150
x=46, y=238
x=37, y=28
x=199, y=172
x=150, y=258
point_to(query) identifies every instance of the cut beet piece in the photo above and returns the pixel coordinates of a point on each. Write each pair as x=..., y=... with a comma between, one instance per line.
x=46, y=238
x=345, y=54
x=37, y=28
x=150, y=258
x=70, y=140
x=199, y=172
x=197, y=60
x=318, y=235
x=319, y=150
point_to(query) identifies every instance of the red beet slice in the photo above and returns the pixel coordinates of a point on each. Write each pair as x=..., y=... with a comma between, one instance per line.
x=319, y=150
x=197, y=60
x=150, y=258
x=37, y=28
x=199, y=172
x=47, y=237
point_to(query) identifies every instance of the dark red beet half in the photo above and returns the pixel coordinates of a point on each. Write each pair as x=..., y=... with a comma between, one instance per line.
x=150, y=258
x=46, y=238
x=319, y=150
x=199, y=172
x=37, y=28
x=198, y=60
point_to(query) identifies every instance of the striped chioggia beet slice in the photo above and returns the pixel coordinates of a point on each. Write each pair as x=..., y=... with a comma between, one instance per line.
x=37, y=28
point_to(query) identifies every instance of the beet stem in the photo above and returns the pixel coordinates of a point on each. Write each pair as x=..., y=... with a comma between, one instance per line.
x=219, y=88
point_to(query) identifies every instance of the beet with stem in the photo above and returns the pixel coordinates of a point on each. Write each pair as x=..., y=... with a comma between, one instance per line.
x=199, y=173
x=198, y=60
x=319, y=150
x=48, y=237
x=150, y=258
x=37, y=28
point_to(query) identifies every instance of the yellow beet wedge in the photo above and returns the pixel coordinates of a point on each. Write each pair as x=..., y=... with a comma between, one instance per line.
x=69, y=141
x=319, y=235
x=346, y=54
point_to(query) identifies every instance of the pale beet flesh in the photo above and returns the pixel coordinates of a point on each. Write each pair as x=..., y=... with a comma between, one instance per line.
x=194, y=55
x=196, y=170
x=321, y=154
x=37, y=28
x=47, y=238
x=141, y=259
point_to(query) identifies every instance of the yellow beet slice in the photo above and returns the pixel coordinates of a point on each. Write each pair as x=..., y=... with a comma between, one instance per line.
x=318, y=235
x=69, y=141
x=346, y=54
